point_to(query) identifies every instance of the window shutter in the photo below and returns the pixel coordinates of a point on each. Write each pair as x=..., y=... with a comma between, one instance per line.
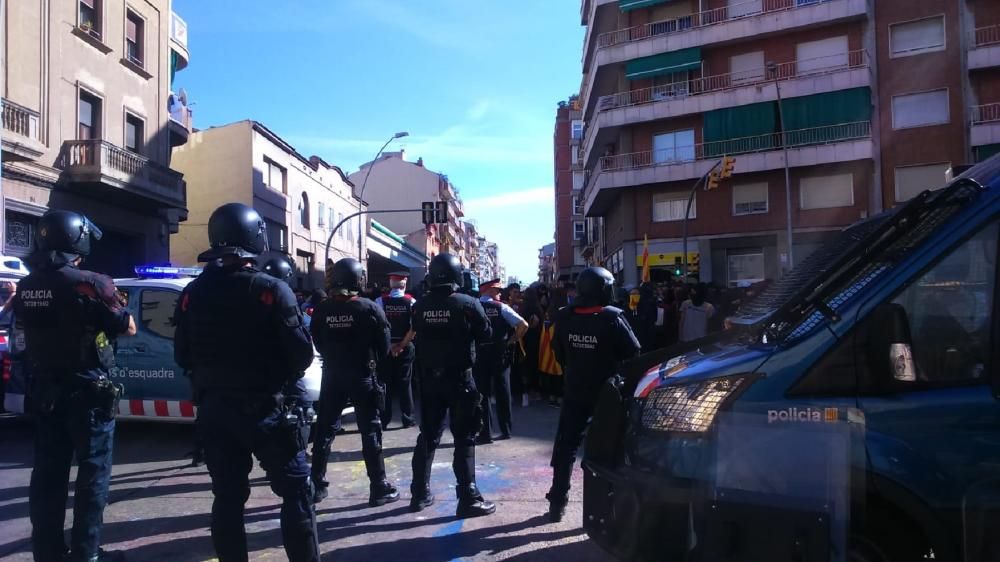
x=88, y=3
x=131, y=29
x=911, y=180
x=915, y=110
x=824, y=192
x=750, y=198
x=917, y=36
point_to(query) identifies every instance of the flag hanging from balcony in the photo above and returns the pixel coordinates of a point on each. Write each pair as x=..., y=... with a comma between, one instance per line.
x=645, y=259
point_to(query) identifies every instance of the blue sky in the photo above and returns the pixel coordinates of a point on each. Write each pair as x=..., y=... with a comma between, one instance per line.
x=474, y=82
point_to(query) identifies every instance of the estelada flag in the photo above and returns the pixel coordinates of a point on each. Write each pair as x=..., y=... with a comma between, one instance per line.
x=546, y=356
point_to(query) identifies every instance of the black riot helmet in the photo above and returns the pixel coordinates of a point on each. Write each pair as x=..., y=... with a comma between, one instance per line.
x=66, y=232
x=445, y=270
x=235, y=229
x=345, y=278
x=279, y=267
x=594, y=287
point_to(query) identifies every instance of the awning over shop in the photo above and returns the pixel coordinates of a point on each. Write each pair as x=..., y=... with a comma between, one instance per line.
x=666, y=63
x=627, y=5
x=668, y=259
x=832, y=108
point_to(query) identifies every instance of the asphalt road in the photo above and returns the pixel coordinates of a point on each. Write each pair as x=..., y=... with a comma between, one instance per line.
x=159, y=506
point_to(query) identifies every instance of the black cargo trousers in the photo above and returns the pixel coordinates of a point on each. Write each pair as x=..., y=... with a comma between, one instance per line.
x=367, y=395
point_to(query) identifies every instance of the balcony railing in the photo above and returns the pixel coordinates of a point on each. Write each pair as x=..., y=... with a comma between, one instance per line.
x=708, y=84
x=700, y=19
x=987, y=113
x=99, y=160
x=760, y=143
x=19, y=119
x=984, y=36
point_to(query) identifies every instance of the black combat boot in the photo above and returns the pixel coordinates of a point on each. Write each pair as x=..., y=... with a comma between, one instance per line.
x=557, y=507
x=321, y=492
x=421, y=500
x=382, y=493
x=471, y=503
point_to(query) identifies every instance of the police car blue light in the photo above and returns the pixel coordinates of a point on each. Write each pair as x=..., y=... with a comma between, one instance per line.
x=165, y=272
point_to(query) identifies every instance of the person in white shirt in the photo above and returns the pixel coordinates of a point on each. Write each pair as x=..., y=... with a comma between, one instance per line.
x=694, y=316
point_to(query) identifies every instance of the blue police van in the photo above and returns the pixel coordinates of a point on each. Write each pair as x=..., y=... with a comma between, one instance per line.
x=851, y=415
x=156, y=388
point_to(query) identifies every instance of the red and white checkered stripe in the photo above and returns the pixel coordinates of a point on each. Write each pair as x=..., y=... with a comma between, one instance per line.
x=157, y=408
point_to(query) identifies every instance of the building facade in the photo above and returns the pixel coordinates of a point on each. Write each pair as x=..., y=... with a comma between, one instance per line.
x=548, y=269
x=571, y=226
x=89, y=122
x=396, y=183
x=865, y=103
x=301, y=199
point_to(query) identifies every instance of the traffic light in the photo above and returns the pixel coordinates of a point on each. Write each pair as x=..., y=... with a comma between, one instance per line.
x=728, y=164
x=678, y=266
x=434, y=212
x=427, y=211
x=713, y=180
x=441, y=214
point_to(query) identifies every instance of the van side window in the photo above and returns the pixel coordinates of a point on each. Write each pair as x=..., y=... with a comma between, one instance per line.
x=158, y=311
x=949, y=309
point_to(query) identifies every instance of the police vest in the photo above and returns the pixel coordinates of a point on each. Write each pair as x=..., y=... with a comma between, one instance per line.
x=398, y=311
x=69, y=317
x=444, y=331
x=349, y=334
x=501, y=329
x=592, y=344
x=232, y=331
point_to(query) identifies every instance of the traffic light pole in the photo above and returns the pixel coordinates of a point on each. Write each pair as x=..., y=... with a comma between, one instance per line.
x=687, y=214
x=329, y=240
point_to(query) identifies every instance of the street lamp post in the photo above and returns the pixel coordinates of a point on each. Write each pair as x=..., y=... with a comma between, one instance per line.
x=773, y=69
x=361, y=194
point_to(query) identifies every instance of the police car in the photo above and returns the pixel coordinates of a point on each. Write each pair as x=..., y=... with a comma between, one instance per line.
x=156, y=388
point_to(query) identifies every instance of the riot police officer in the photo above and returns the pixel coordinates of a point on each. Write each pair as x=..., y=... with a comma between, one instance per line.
x=241, y=335
x=591, y=340
x=70, y=318
x=448, y=325
x=396, y=369
x=492, y=370
x=352, y=336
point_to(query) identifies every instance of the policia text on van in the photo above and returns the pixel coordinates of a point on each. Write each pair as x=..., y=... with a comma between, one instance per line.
x=852, y=416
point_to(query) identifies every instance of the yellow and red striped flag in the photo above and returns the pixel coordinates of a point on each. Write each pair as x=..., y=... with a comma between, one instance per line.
x=546, y=356
x=645, y=259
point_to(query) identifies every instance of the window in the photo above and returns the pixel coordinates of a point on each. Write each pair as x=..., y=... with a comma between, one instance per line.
x=277, y=237
x=90, y=17
x=157, y=314
x=920, y=110
x=825, y=192
x=579, y=230
x=134, y=35
x=352, y=227
x=748, y=67
x=745, y=266
x=915, y=37
x=275, y=176
x=671, y=206
x=667, y=86
x=577, y=205
x=321, y=215
x=342, y=232
x=911, y=180
x=333, y=217
x=949, y=312
x=134, y=133
x=677, y=146
x=822, y=55
x=750, y=198
x=578, y=180
x=90, y=117
x=740, y=8
x=304, y=210
x=576, y=129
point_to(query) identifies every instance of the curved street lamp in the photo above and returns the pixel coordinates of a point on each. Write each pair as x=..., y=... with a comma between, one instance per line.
x=361, y=193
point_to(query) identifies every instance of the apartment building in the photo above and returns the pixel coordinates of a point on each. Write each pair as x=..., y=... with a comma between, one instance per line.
x=547, y=267
x=301, y=199
x=571, y=227
x=864, y=102
x=396, y=183
x=89, y=122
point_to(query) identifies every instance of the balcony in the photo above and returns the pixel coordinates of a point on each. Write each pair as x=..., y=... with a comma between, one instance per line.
x=751, y=19
x=985, y=124
x=807, y=147
x=181, y=118
x=21, y=136
x=179, y=41
x=122, y=174
x=706, y=93
x=984, y=49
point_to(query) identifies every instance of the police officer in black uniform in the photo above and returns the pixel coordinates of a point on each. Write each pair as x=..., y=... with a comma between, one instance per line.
x=241, y=335
x=352, y=336
x=70, y=318
x=591, y=340
x=492, y=369
x=448, y=324
x=397, y=369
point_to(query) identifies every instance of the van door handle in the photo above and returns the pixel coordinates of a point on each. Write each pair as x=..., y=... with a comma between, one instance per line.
x=140, y=348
